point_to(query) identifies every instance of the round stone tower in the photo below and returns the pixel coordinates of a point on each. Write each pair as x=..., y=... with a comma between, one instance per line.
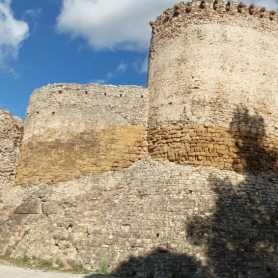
x=212, y=80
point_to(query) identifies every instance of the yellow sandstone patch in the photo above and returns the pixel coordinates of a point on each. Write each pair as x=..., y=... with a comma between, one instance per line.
x=113, y=148
x=214, y=146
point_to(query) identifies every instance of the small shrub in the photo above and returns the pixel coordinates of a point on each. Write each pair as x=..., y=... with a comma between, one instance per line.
x=79, y=268
x=59, y=263
x=104, y=268
x=46, y=263
x=25, y=258
x=8, y=252
x=34, y=257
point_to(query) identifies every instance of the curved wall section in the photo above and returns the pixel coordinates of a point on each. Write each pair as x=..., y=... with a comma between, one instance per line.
x=220, y=75
x=72, y=130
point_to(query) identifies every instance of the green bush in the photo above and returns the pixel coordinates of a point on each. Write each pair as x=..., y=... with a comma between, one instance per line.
x=25, y=258
x=8, y=252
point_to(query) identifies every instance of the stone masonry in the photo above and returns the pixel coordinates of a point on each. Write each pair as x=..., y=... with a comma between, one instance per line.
x=178, y=179
x=11, y=132
x=74, y=130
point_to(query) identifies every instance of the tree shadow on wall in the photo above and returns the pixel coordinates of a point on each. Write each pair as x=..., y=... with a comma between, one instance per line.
x=255, y=150
x=240, y=238
x=159, y=263
x=242, y=235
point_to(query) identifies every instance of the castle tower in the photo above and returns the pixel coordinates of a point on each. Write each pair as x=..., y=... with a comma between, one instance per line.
x=211, y=65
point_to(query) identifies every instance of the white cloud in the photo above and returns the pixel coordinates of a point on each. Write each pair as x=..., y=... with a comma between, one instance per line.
x=12, y=33
x=141, y=66
x=99, y=81
x=111, y=24
x=118, y=24
x=120, y=70
x=33, y=13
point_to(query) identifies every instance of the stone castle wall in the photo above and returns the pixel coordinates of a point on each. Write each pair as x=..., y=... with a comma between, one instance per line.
x=11, y=132
x=176, y=180
x=159, y=219
x=73, y=130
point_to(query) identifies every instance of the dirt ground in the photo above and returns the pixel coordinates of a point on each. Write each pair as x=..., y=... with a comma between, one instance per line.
x=9, y=271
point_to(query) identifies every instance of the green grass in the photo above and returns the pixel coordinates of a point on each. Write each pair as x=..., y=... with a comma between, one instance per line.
x=7, y=253
x=59, y=263
x=104, y=268
x=79, y=268
x=45, y=263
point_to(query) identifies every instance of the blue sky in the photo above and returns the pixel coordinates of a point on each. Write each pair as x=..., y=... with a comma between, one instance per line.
x=74, y=41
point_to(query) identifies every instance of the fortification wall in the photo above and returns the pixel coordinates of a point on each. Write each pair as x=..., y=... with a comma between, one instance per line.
x=11, y=132
x=203, y=202
x=73, y=130
x=219, y=80
x=159, y=219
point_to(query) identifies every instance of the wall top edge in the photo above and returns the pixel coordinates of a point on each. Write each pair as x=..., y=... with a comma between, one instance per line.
x=6, y=113
x=83, y=86
x=3, y=111
x=214, y=7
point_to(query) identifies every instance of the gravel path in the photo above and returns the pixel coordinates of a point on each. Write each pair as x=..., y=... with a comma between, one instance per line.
x=7, y=271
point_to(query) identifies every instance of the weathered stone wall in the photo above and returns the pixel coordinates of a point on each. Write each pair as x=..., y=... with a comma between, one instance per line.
x=232, y=149
x=181, y=183
x=11, y=132
x=153, y=219
x=73, y=130
x=216, y=61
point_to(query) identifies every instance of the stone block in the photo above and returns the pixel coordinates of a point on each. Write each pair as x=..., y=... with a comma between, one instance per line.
x=32, y=207
x=49, y=208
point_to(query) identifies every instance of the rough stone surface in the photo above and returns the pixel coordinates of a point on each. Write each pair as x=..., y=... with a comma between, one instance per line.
x=32, y=207
x=107, y=132
x=94, y=107
x=11, y=132
x=161, y=218
x=217, y=62
x=176, y=180
x=231, y=148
